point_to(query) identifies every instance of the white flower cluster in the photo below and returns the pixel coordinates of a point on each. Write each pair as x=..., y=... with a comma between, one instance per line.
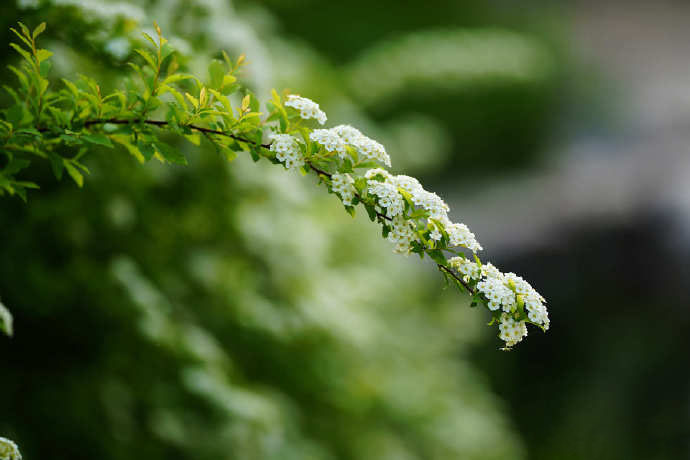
x=497, y=291
x=372, y=173
x=342, y=184
x=534, y=302
x=513, y=301
x=431, y=202
x=388, y=195
x=368, y=149
x=458, y=234
x=330, y=140
x=307, y=108
x=9, y=450
x=287, y=150
x=508, y=292
x=402, y=234
x=337, y=139
x=466, y=267
x=510, y=330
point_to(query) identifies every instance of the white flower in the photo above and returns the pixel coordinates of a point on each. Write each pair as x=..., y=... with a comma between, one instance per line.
x=342, y=184
x=368, y=149
x=433, y=203
x=468, y=268
x=538, y=314
x=370, y=174
x=307, y=108
x=349, y=134
x=9, y=450
x=534, y=302
x=490, y=271
x=402, y=234
x=407, y=183
x=510, y=330
x=330, y=140
x=460, y=235
x=498, y=293
x=287, y=150
x=523, y=287
x=388, y=196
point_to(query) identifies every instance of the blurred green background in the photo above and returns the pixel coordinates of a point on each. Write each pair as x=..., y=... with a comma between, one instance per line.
x=236, y=312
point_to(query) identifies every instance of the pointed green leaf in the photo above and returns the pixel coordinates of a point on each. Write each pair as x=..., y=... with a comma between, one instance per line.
x=39, y=29
x=22, y=51
x=126, y=142
x=74, y=173
x=21, y=37
x=170, y=154
x=216, y=71
x=99, y=139
x=43, y=54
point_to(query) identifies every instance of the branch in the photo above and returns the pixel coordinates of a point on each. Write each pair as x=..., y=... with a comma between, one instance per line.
x=160, y=123
x=456, y=277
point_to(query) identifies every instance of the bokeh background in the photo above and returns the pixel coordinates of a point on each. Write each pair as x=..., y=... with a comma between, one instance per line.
x=236, y=312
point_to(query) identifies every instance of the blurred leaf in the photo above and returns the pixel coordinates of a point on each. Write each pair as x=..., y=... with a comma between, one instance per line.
x=171, y=154
x=5, y=320
x=98, y=139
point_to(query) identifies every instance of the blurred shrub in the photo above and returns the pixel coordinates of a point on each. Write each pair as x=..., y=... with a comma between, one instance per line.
x=208, y=312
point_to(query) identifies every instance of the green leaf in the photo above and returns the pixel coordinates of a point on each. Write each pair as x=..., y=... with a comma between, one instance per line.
x=147, y=57
x=20, y=75
x=150, y=39
x=175, y=78
x=74, y=173
x=230, y=155
x=170, y=154
x=97, y=138
x=45, y=68
x=15, y=166
x=71, y=86
x=21, y=37
x=371, y=212
x=25, y=30
x=42, y=55
x=15, y=114
x=6, y=321
x=22, y=51
x=176, y=94
x=216, y=71
x=39, y=29
x=193, y=100
x=56, y=165
x=194, y=138
x=126, y=142
x=437, y=256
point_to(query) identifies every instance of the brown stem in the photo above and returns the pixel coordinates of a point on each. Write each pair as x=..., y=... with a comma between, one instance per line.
x=201, y=129
x=457, y=278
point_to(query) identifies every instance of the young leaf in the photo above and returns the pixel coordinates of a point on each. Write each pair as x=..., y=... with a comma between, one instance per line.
x=39, y=29
x=97, y=138
x=125, y=141
x=216, y=71
x=22, y=51
x=170, y=154
x=42, y=55
x=74, y=173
